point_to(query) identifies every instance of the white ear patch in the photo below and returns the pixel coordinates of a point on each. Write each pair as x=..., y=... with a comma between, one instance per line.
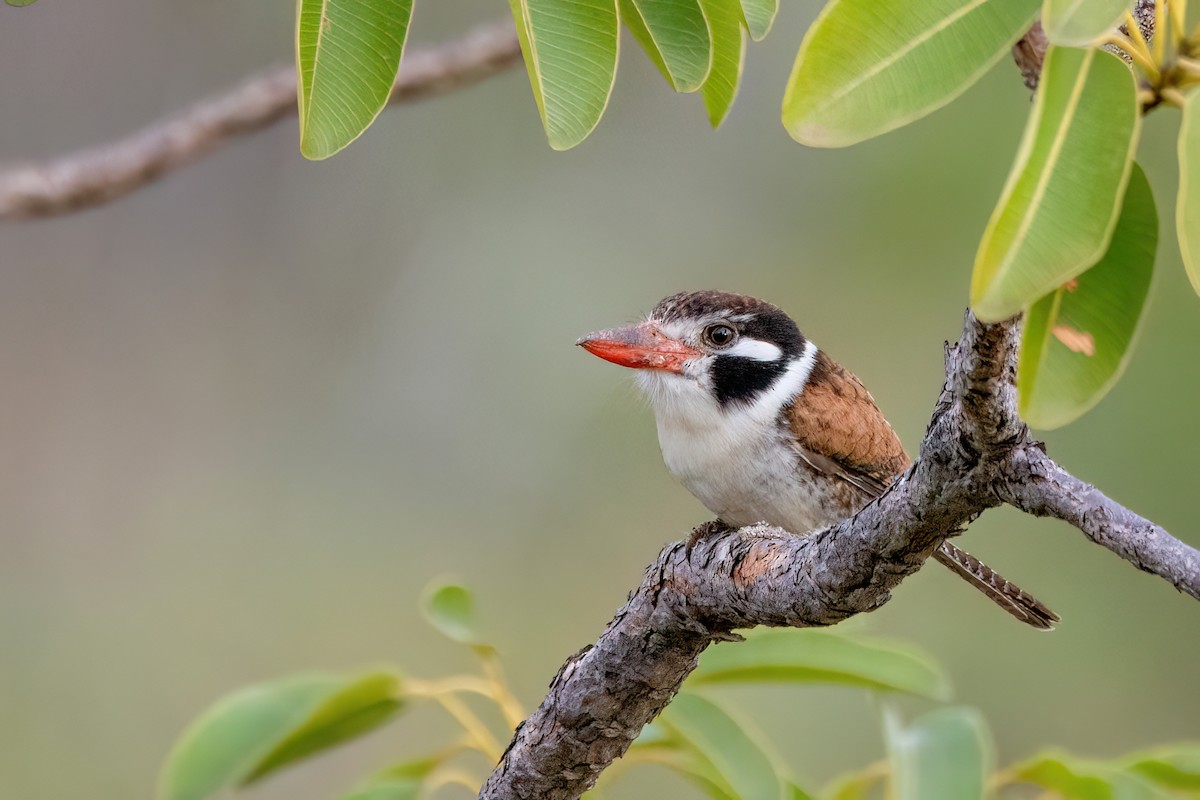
x=755, y=349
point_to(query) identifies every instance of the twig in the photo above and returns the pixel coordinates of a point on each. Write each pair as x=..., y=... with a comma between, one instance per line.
x=100, y=174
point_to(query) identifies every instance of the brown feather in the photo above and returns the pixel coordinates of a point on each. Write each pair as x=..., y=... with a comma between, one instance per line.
x=840, y=431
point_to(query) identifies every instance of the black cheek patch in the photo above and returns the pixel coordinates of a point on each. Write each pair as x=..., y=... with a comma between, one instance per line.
x=740, y=380
x=777, y=328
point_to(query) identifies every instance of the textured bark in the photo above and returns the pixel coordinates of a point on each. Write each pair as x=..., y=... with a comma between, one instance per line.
x=101, y=174
x=976, y=454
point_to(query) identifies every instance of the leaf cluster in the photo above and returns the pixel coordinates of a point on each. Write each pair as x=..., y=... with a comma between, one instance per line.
x=943, y=753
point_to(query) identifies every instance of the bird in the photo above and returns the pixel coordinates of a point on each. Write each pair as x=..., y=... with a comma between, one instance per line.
x=762, y=426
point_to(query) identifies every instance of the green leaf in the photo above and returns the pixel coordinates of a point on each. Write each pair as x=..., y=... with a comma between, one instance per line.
x=697, y=769
x=260, y=729
x=866, y=67
x=811, y=656
x=570, y=49
x=794, y=792
x=759, y=16
x=1060, y=204
x=1187, y=208
x=708, y=732
x=451, y=609
x=400, y=782
x=1082, y=780
x=1174, y=766
x=1078, y=339
x=944, y=753
x=674, y=33
x=856, y=785
x=20, y=3
x=729, y=50
x=347, y=54
x=1081, y=22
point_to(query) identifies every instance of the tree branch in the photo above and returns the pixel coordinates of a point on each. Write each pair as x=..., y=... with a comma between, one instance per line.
x=1047, y=490
x=98, y=175
x=975, y=454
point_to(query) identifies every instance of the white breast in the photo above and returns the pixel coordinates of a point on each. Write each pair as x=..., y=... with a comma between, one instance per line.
x=738, y=461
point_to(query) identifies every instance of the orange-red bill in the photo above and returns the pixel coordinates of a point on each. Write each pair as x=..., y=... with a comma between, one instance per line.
x=642, y=346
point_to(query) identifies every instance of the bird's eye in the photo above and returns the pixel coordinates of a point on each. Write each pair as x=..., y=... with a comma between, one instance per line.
x=719, y=335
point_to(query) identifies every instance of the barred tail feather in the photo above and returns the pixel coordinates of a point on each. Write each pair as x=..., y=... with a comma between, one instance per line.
x=1002, y=592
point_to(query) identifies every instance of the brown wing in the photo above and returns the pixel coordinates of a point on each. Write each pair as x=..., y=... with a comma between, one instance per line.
x=840, y=430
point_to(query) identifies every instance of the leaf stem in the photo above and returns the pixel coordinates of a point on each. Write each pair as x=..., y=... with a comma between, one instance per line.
x=1178, y=9
x=1135, y=34
x=1160, y=30
x=445, y=692
x=1127, y=47
x=500, y=693
x=451, y=776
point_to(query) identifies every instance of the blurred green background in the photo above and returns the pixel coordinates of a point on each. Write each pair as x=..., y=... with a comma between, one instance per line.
x=250, y=411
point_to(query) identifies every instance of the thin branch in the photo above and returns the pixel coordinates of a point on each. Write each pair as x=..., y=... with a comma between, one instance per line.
x=98, y=175
x=1045, y=489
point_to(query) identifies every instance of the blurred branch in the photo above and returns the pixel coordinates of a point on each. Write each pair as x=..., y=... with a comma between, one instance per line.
x=97, y=175
x=976, y=453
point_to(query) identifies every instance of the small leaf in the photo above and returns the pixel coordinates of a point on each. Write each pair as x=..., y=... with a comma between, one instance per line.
x=1080, y=22
x=347, y=54
x=570, y=49
x=711, y=734
x=759, y=16
x=856, y=785
x=259, y=729
x=400, y=782
x=20, y=3
x=1059, y=207
x=944, y=753
x=811, y=656
x=729, y=49
x=866, y=67
x=451, y=609
x=674, y=33
x=1174, y=766
x=1187, y=208
x=1078, y=339
x=1082, y=780
x=794, y=792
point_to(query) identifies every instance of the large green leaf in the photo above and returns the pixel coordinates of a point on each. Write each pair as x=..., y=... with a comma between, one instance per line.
x=347, y=54
x=759, y=16
x=1187, y=208
x=1081, y=22
x=811, y=656
x=570, y=49
x=720, y=742
x=1060, y=204
x=729, y=51
x=1078, y=339
x=944, y=753
x=19, y=3
x=1082, y=780
x=674, y=33
x=866, y=67
x=262, y=728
